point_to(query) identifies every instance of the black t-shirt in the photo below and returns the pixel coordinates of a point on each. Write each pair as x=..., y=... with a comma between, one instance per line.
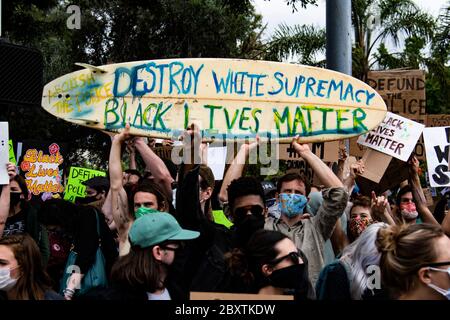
x=15, y=224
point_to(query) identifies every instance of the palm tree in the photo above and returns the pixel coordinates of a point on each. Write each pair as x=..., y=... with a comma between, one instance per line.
x=438, y=78
x=303, y=42
x=381, y=20
x=395, y=19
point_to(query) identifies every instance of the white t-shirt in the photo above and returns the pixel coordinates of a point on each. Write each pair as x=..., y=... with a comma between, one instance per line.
x=162, y=296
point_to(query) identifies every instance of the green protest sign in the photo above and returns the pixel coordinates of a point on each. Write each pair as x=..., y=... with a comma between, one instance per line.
x=12, y=157
x=77, y=175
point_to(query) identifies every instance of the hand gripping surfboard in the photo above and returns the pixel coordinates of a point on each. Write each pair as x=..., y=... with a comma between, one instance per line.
x=227, y=98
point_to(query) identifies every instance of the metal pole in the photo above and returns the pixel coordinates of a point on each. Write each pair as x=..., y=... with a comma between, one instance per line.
x=339, y=41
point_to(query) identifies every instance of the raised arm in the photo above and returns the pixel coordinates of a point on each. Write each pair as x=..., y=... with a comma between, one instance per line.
x=446, y=224
x=355, y=168
x=334, y=195
x=419, y=197
x=323, y=172
x=131, y=149
x=236, y=167
x=379, y=209
x=5, y=197
x=156, y=166
x=119, y=199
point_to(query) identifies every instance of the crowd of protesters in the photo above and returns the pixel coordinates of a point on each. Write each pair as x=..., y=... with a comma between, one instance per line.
x=164, y=231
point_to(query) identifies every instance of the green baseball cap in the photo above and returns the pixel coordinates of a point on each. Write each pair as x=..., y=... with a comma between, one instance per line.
x=156, y=228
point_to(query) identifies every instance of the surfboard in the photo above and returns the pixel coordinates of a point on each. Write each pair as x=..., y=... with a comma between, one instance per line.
x=227, y=98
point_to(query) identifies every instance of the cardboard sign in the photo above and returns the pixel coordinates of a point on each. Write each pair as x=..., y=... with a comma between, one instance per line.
x=228, y=98
x=437, y=144
x=163, y=152
x=237, y=296
x=428, y=197
x=4, y=153
x=12, y=157
x=403, y=91
x=438, y=120
x=396, y=136
x=326, y=151
x=356, y=149
x=77, y=175
x=42, y=166
x=382, y=172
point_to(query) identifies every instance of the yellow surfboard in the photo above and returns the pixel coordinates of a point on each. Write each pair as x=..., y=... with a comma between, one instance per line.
x=228, y=99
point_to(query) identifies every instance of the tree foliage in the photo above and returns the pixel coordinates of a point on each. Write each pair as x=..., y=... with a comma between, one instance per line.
x=119, y=31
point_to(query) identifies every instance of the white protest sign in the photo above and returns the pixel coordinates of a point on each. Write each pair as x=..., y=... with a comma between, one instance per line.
x=216, y=161
x=4, y=152
x=437, y=145
x=396, y=136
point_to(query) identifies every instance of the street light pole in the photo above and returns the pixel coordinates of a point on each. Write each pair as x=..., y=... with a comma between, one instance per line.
x=339, y=41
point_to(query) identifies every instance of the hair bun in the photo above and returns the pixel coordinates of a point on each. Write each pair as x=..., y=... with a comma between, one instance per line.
x=388, y=237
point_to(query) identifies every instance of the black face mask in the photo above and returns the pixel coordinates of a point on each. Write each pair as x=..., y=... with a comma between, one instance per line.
x=245, y=228
x=14, y=199
x=293, y=279
x=86, y=200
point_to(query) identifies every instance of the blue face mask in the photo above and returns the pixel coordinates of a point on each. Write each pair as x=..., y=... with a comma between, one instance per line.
x=292, y=204
x=445, y=293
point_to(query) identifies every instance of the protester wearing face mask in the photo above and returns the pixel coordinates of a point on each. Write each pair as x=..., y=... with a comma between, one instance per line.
x=406, y=208
x=415, y=261
x=18, y=216
x=309, y=235
x=145, y=272
x=22, y=275
x=271, y=264
x=360, y=217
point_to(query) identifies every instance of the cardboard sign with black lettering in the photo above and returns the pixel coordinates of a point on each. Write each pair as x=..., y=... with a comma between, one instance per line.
x=438, y=120
x=396, y=136
x=326, y=151
x=403, y=91
x=437, y=144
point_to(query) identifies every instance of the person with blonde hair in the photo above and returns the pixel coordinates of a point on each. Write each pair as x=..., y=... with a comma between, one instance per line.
x=415, y=261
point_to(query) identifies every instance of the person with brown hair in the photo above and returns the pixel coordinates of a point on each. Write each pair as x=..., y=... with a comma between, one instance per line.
x=22, y=275
x=18, y=216
x=143, y=274
x=415, y=261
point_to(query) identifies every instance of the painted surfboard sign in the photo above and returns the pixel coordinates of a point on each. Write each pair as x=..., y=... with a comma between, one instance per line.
x=227, y=98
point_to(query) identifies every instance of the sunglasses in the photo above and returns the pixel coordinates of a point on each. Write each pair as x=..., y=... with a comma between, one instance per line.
x=242, y=212
x=295, y=257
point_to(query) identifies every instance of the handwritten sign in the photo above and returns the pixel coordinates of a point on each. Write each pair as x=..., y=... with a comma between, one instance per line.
x=228, y=99
x=403, y=91
x=77, y=175
x=42, y=166
x=4, y=152
x=326, y=151
x=438, y=120
x=395, y=136
x=437, y=144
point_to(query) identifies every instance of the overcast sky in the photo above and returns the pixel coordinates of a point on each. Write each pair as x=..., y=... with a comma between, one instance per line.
x=275, y=12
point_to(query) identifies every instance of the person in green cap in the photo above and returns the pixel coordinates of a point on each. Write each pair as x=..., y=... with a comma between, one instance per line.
x=143, y=274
